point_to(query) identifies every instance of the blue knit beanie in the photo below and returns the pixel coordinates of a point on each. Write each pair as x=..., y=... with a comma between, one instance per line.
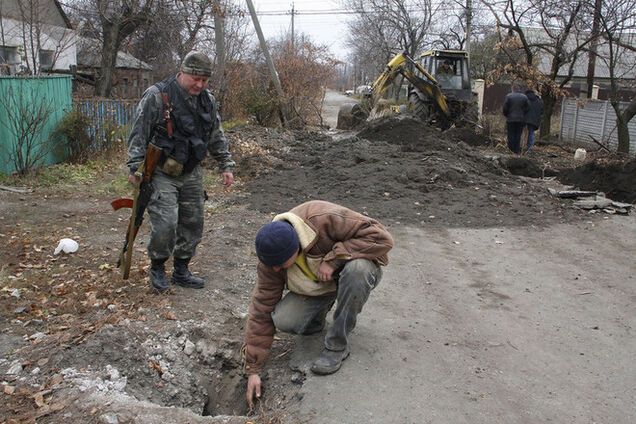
x=276, y=242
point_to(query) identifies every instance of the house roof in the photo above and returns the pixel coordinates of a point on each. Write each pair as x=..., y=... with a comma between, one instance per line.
x=49, y=12
x=89, y=56
x=624, y=68
x=67, y=21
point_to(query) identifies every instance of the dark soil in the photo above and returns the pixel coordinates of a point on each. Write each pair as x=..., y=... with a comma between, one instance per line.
x=399, y=169
x=183, y=348
x=617, y=179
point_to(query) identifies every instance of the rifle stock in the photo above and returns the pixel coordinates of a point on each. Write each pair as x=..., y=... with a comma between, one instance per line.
x=142, y=196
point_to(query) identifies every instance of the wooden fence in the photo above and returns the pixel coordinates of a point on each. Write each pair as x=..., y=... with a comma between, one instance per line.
x=105, y=116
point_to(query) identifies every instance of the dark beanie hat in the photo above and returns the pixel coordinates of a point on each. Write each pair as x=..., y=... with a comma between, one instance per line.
x=276, y=242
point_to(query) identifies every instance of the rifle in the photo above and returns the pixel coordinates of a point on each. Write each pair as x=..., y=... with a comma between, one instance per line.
x=138, y=205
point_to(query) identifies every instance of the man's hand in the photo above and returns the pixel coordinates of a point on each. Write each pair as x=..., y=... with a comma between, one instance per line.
x=253, y=389
x=325, y=271
x=134, y=179
x=228, y=178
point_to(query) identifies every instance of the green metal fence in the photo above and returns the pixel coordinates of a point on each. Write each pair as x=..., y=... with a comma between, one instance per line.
x=30, y=108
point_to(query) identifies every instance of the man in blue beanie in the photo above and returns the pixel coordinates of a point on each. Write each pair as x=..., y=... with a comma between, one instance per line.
x=322, y=253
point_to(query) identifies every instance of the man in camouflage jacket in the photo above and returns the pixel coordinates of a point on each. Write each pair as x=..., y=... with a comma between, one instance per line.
x=180, y=116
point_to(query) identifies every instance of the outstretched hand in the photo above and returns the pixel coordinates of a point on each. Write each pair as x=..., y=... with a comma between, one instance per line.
x=253, y=389
x=228, y=178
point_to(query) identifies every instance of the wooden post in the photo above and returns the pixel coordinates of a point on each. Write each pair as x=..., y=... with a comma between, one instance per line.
x=268, y=59
x=604, y=120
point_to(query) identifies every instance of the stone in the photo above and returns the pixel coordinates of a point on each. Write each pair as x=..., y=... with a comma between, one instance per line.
x=188, y=349
x=15, y=368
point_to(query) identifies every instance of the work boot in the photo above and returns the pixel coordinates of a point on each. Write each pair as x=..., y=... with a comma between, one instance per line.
x=158, y=277
x=329, y=361
x=181, y=276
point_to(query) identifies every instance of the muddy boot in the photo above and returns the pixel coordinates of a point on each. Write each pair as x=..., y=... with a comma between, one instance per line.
x=329, y=361
x=181, y=276
x=158, y=278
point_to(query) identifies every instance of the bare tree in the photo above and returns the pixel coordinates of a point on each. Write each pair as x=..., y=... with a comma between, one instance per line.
x=483, y=55
x=617, y=50
x=383, y=28
x=179, y=26
x=26, y=117
x=119, y=19
x=556, y=45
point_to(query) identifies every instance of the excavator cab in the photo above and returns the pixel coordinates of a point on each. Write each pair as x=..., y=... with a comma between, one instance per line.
x=450, y=68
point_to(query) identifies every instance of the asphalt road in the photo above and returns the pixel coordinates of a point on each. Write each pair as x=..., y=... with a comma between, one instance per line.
x=515, y=325
x=332, y=103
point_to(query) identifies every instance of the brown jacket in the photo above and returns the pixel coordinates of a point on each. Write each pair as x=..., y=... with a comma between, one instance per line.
x=327, y=233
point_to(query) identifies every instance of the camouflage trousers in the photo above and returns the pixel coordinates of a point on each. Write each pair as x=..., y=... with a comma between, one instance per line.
x=176, y=215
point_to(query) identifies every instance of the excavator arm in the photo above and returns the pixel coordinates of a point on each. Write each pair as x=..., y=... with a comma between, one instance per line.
x=397, y=65
x=352, y=113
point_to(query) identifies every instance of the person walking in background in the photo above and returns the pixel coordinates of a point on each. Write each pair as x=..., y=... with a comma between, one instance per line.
x=180, y=116
x=533, y=116
x=515, y=108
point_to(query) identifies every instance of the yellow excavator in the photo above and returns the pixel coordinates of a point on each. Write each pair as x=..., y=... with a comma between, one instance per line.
x=441, y=100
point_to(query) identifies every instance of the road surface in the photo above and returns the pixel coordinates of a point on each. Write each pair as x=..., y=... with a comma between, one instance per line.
x=499, y=325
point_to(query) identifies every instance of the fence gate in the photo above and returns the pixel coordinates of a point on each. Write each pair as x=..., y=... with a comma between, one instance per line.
x=30, y=109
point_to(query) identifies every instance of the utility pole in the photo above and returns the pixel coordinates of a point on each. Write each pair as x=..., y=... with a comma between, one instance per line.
x=591, y=63
x=469, y=24
x=219, y=39
x=293, y=12
x=268, y=59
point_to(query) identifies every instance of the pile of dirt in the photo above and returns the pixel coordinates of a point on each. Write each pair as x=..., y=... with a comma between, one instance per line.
x=402, y=170
x=617, y=179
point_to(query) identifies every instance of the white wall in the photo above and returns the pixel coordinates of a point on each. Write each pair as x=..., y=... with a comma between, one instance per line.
x=61, y=40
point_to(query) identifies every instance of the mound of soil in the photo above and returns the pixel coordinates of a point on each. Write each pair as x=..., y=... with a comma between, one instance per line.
x=616, y=179
x=402, y=170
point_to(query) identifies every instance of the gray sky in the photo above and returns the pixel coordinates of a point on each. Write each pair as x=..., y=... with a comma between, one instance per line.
x=315, y=18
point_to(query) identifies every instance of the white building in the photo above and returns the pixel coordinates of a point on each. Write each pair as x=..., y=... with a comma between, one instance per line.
x=36, y=37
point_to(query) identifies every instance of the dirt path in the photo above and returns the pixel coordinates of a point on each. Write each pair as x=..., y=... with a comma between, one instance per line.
x=333, y=101
x=501, y=304
x=463, y=329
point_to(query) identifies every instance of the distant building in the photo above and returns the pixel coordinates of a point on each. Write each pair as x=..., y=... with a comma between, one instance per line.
x=130, y=79
x=625, y=72
x=36, y=45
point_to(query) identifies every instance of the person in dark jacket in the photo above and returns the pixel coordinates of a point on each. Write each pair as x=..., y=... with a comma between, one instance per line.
x=533, y=116
x=515, y=108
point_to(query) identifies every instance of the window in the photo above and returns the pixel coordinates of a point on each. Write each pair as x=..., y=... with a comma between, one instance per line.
x=125, y=82
x=8, y=60
x=8, y=55
x=46, y=59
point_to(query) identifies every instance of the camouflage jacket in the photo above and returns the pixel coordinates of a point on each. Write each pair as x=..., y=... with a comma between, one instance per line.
x=149, y=115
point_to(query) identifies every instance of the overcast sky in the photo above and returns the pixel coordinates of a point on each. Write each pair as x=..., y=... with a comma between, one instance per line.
x=318, y=19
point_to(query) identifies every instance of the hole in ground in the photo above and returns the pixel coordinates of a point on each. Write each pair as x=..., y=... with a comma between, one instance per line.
x=226, y=395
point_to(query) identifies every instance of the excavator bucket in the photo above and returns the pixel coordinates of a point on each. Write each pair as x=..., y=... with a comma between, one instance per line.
x=350, y=116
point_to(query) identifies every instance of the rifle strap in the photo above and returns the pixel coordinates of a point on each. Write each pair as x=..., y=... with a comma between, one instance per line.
x=167, y=108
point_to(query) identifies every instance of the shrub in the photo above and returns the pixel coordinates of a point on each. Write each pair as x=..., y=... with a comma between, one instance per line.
x=71, y=137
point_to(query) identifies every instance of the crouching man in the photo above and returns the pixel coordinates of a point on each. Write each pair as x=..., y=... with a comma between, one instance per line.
x=322, y=253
